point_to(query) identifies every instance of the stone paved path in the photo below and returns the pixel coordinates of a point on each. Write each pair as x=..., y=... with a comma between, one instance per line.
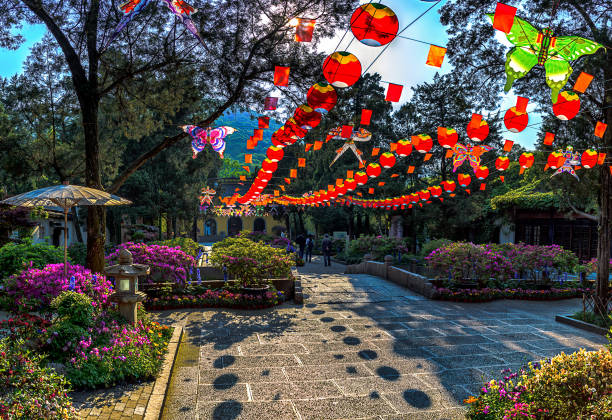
x=360, y=347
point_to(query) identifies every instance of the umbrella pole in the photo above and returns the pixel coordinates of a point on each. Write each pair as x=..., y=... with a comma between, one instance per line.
x=65, y=241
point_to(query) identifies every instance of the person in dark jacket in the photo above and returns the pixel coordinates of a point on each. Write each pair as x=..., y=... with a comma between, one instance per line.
x=309, y=247
x=301, y=242
x=326, y=248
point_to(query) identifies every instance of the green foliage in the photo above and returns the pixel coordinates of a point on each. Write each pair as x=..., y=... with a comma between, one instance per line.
x=527, y=197
x=187, y=245
x=377, y=246
x=429, y=246
x=14, y=257
x=29, y=390
x=77, y=252
x=593, y=318
x=73, y=307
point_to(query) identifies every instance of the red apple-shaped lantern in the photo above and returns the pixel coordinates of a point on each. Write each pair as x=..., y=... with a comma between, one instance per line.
x=422, y=143
x=502, y=163
x=436, y=191
x=306, y=117
x=373, y=170
x=342, y=69
x=526, y=160
x=361, y=178
x=464, y=180
x=387, y=160
x=481, y=172
x=268, y=166
x=516, y=121
x=555, y=159
x=424, y=195
x=449, y=186
x=404, y=147
x=293, y=129
x=478, y=132
x=589, y=158
x=279, y=139
x=447, y=137
x=567, y=105
x=275, y=153
x=351, y=184
x=374, y=24
x=322, y=97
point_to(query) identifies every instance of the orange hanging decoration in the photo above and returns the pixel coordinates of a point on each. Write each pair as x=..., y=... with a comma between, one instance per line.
x=600, y=129
x=435, y=56
x=582, y=82
x=281, y=76
x=504, y=17
x=394, y=92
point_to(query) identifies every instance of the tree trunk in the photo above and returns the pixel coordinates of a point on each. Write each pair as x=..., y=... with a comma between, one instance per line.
x=194, y=230
x=77, y=224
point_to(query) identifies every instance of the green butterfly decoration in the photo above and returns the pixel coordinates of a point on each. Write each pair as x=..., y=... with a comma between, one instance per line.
x=554, y=53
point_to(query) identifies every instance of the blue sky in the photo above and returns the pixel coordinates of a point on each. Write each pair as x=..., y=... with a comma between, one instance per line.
x=402, y=63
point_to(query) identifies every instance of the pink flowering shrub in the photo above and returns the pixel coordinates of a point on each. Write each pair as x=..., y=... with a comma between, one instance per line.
x=528, y=258
x=34, y=288
x=167, y=263
x=216, y=299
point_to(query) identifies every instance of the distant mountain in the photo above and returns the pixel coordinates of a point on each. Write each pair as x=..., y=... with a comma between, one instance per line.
x=245, y=123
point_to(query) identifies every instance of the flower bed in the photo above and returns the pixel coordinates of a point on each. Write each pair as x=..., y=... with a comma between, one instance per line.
x=488, y=294
x=216, y=299
x=572, y=386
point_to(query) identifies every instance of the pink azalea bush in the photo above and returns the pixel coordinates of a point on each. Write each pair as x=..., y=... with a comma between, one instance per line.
x=167, y=262
x=34, y=288
x=527, y=258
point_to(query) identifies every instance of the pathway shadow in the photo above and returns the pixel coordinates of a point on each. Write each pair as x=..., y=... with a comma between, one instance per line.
x=227, y=410
x=417, y=398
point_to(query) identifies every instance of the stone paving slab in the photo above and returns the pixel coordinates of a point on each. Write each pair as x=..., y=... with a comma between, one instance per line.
x=358, y=348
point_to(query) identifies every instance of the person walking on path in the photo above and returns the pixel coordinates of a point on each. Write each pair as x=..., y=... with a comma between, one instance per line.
x=301, y=241
x=309, y=246
x=326, y=247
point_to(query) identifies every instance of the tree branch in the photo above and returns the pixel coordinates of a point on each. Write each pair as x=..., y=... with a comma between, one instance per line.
x=581, y=213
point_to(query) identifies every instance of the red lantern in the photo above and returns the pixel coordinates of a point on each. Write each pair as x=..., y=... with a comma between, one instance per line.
x=264, y=176
x=516, y=121
x=373, y=170
x=342, y=69
x=464, y=180
x=351, y=184
x=361, y=178
x=275, y=154
x=567, y=105
x=293, y=130
x=374, y=24
x=481, y=172
x=447, y=137
x=526, y=160
x=387, y=160
x=555, y=159
x=322, y=97
x=436, y=191
x=449, y=186
x=306, y=117
x=269, y=166
x=502, y=163
x=589, y=159
x=477, y=131
x=422, y=143
x=424, y=195
x=404, y=147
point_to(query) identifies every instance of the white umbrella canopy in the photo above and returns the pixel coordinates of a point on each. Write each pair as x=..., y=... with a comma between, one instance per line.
x=65, y=196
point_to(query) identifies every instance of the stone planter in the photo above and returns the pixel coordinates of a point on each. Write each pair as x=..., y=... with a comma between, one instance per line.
x=255, y=291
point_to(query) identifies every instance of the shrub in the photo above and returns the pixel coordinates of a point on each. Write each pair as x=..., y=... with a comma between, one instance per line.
x=253, y=263
x=34, y=288
x=430, y=246
x=187, y=245
x=167, y=263
x=378, y=246
x=567, y=386
x=77, y=252
x=528, y=258
x=30, y=391
x=15, y=257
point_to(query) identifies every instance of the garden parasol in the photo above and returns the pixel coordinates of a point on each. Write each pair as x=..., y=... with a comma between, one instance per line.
x=65, y=196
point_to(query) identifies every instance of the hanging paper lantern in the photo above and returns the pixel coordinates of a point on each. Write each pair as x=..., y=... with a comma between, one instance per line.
x=264, y=176
x=447, y=137
x=567, y=105
x=342, y=69
x=268, y=166
x=373, y=170
x=374, y=24
x=479, y=131
x=404, y=147
x=341, y=190
x=464, y=180
x=424, y=195
x=435, y=191
x=387, y=160
x=449, y=186
x=351, y=184
x=516, y=121
x=293, y=129
x=589, y=158
x=555, y=159
x=361, y=178
x=526, y=160
x=481, y=172
x=275, y=154
x=306, y=117
x=422, y=143
x=502, y=163
x=322, y=97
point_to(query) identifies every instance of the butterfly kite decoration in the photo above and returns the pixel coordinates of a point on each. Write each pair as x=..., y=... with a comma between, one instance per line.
x=571, y=159
x=131, y=8
x=532, y=47
x=206, y=197
x=201, y=137
x=469, y=152
x=360, y=135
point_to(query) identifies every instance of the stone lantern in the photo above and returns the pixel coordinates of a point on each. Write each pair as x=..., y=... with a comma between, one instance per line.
x=126, y=284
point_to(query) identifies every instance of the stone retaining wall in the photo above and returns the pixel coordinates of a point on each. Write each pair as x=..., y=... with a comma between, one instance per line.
x=412, y=281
